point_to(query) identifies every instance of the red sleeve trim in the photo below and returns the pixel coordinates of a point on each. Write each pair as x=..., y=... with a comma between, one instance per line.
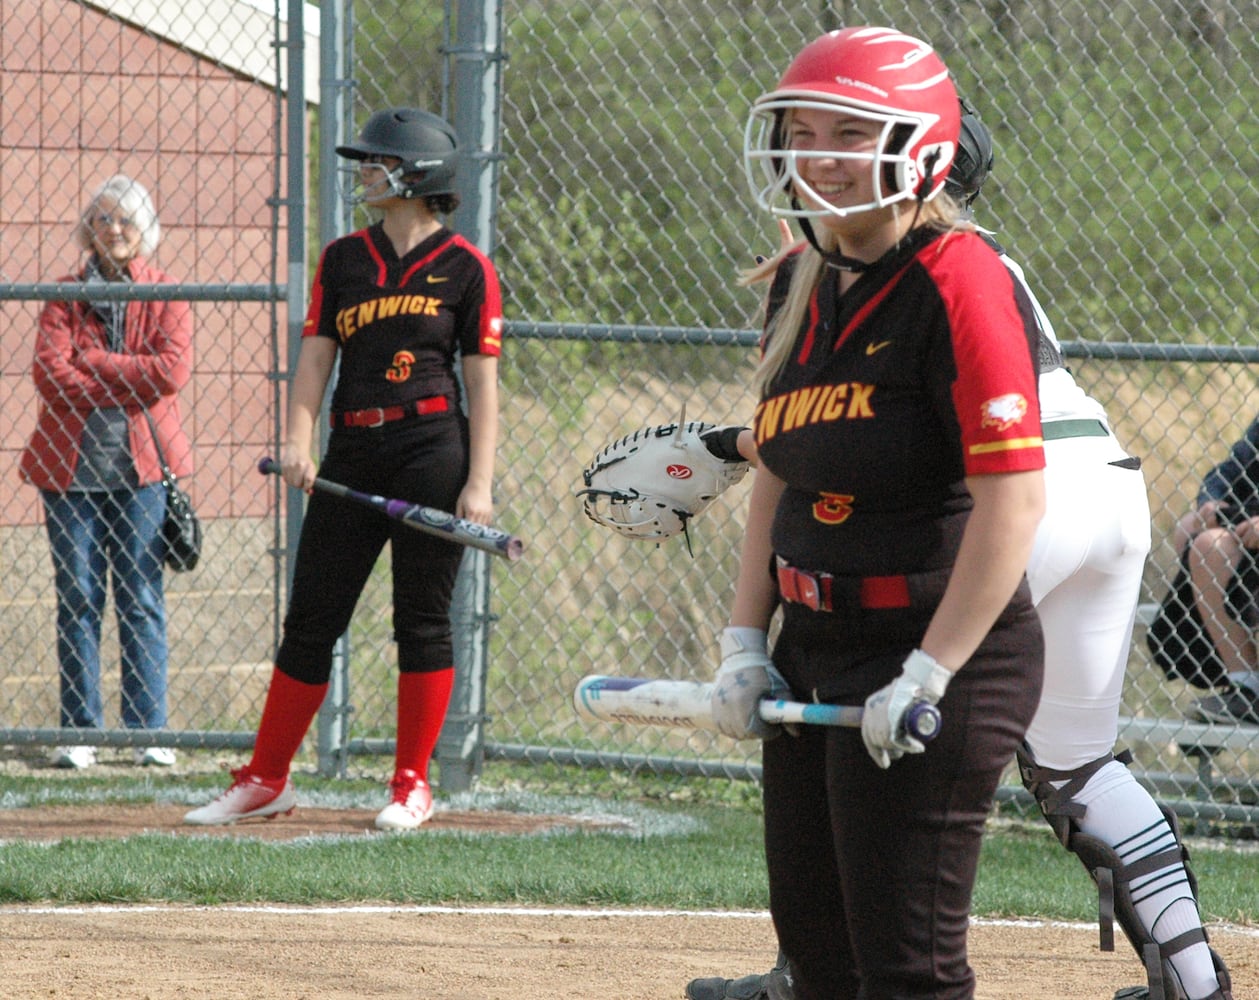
x=490, y=324
x=995, y=395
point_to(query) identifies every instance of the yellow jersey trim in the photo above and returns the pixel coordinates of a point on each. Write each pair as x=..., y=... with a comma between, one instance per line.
x=1010, y=445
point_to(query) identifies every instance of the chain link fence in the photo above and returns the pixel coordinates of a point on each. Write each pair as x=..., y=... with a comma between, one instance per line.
x=185, y=102
x=619, y=223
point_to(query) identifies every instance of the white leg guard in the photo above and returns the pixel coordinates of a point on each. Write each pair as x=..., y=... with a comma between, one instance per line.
x=1149, y=884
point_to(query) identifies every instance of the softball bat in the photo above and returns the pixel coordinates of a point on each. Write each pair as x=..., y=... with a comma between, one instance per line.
x=427, y=519
x=686, y=705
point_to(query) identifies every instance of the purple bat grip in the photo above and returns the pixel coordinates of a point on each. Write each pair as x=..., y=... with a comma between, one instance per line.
x=427, y=519
x=922, y=721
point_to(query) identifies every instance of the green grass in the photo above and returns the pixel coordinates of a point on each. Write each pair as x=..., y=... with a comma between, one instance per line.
x=676, y=849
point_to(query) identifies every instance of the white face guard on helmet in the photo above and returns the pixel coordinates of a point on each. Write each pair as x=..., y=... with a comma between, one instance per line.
x=366, y=183
x=773, y=169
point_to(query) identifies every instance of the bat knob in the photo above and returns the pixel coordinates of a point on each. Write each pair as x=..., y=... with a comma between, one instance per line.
x=922, y=721
x=266, y=465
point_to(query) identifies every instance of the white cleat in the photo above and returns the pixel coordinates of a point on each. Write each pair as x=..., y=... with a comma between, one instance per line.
x=249, y=797
x=411, y=805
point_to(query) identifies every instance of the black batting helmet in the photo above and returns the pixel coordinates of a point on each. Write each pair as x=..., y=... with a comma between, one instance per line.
x=973, y=160
x=425, y=143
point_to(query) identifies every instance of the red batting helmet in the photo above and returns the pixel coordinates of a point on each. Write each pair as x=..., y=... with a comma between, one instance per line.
x=877, y=74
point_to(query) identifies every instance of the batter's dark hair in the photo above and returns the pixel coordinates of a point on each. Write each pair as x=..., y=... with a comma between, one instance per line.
x=442, y=204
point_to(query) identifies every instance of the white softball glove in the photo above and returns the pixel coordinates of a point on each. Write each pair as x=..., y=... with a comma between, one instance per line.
x=650, y=483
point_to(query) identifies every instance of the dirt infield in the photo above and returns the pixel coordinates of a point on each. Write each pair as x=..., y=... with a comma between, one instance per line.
x=490, y=953
x=242, y=953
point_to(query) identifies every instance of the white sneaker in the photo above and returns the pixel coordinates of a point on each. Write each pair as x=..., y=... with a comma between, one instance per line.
x=412, y=803
x=76, y=757
x=249, y=797
x=155, y=756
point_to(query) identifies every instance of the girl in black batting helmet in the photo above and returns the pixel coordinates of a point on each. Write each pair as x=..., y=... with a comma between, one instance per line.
x=397, y=304
x=891, y=518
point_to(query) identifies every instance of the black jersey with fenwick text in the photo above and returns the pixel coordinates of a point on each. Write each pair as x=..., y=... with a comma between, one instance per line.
x=923, y=373
x=401, y=322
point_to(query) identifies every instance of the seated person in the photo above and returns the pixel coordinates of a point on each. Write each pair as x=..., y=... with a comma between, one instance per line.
x=1218, y=585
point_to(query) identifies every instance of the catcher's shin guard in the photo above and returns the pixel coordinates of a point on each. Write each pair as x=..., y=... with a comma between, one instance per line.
x=773, y=985
x=1114, y=879
x=1225, y=992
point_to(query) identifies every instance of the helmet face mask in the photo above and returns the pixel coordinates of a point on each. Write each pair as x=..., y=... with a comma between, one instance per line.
x=369, y=182
x=773, y=168
x=873, y=74
x=425, y=145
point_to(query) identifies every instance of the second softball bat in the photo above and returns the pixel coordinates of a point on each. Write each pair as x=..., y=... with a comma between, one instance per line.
x=427, y=519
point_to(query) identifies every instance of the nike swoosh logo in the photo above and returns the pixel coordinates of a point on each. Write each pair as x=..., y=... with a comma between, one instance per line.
x=874, y=348
x=432, y=279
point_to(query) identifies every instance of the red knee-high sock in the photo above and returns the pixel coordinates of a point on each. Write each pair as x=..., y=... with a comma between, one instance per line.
x=287, y=714
x=422, y=703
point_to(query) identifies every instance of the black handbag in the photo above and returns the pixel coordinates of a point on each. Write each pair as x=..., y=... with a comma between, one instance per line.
x=181, y=528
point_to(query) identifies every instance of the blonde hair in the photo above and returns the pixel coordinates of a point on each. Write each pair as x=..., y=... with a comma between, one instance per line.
x=940, y=213
x=132, y=199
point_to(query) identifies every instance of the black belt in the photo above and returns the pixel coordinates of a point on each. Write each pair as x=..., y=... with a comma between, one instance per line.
x=378, y=415
x=1055, y=430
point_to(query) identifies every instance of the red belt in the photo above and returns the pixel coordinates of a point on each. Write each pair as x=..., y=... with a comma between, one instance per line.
x=378, y=415
x=819, y=590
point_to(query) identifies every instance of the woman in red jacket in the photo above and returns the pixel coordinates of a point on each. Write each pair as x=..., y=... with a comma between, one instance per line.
x=99, y=366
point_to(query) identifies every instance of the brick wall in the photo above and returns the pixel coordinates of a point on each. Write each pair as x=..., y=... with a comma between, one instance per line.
x=84, y=96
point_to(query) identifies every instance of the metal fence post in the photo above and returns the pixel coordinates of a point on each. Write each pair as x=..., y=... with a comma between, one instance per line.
x=476, y=55
x=333, y=722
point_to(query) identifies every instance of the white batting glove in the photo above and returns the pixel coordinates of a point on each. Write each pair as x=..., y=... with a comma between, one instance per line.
x=746, y=676
x=883, y=721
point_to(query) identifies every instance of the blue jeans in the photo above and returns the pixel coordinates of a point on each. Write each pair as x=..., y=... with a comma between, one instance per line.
x=115, y=535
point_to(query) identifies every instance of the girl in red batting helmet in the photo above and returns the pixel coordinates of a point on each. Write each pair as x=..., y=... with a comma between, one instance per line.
x=1085, y=579
x=891, y=519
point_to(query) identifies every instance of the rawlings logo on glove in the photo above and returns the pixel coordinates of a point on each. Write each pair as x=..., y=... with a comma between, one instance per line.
x=650, y=483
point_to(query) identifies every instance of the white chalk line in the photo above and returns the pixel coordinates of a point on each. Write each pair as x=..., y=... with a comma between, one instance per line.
x=520, y=911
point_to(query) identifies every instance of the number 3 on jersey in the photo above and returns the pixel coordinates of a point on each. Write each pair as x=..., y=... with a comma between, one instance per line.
x=833, y=508
x=400, y=370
